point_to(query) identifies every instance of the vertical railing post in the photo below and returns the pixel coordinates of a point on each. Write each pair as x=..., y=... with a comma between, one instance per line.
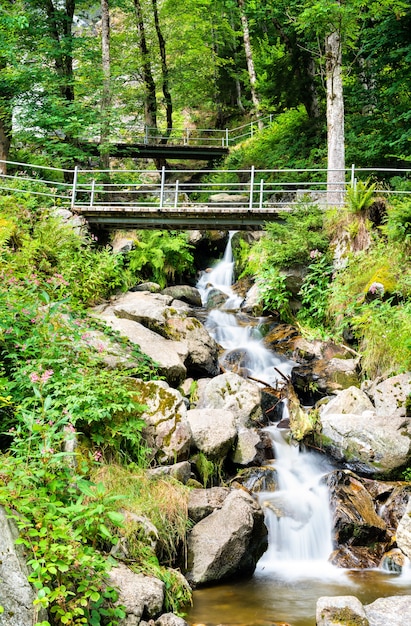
x=353, y=183
x=145, y=134
x=250, y=205
x=261, y=193
x=252, y=129
x=186, y=136
x=176, y=196
x=226, y=138
x=93, y=184
x=163, y=176
x=74, y=189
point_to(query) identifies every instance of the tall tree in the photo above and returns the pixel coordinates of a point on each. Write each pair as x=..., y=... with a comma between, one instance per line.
x=250, y=61
x=164, y=72
x=106, y=90
x=150, y=99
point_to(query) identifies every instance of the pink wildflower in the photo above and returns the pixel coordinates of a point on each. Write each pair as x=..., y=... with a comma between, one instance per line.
x=34, y=377
x=97, y=456
x=46, y=376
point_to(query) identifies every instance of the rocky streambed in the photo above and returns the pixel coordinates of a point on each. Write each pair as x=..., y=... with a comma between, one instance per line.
x=211, y=405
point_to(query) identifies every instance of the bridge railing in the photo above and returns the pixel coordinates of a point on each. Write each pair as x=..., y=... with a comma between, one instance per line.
x=225, y=190
x=224, y=137
x=239, y=190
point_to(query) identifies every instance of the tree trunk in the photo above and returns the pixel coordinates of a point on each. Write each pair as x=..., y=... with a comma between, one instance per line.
x=150, y=101
x=106, y=95
x=164, y=73
x=335, y=121
x=5, y=136
x=250, y=62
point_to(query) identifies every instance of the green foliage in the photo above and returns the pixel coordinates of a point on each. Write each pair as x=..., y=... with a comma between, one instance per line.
x=398, y=227
x=384, y=331
x=314, y=291
x=161, y=256
x=274, y=293
x=360, y=196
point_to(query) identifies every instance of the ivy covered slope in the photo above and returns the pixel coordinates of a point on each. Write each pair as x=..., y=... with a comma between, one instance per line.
x=72, y=456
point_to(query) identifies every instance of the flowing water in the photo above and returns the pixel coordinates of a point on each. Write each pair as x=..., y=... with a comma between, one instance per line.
x=294, y=572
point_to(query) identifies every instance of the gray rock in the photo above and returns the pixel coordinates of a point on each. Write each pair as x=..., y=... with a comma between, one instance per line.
x=16, y=594
x=202, y=502
x=202, y=356
x=170, y=355
x=351, y=400
x=404, y=532
x=233, y=393
x=149, y=309
x=166, y=430
x=246, y=450
x=392, y=611
x=186, y=293
x=140, y=595
x=228, y=542
x=213, y=431
x=169, y=619
x=179, y=471
x=367, y=440
x=389, y=396
x=339, y=611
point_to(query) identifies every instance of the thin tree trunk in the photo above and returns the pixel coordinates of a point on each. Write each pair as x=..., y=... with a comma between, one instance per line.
x=164, y=72
x=5, y=136
x=106, y=95
x=335, y=121
x=250, y=62
x=150, y=101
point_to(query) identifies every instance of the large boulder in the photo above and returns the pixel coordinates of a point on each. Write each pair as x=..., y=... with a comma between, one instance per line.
x=233, y=393
x=166, y=430
x=202, y=502
x=390, y=395
x=202, y=357
x=141, y=596
x=16, y=594
x=149, y=309
x=169, y=355
x=213, y=431
x=343, y=610
x=228, y=543
x=355, y=522
x=365, y=441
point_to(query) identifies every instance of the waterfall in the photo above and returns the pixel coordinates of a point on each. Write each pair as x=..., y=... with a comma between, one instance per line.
x=297, y=513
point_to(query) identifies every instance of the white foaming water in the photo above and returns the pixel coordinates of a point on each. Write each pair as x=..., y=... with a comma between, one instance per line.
x=223, y=326
x=297, y=513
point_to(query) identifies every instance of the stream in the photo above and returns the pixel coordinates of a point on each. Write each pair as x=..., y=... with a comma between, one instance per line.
x=294, y=571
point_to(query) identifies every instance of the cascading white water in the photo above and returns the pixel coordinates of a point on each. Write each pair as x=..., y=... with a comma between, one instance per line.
x=297, y=514
x=223, y=326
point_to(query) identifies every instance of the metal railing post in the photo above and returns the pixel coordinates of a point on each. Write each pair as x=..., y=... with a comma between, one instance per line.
x=226, y=138
x=353, y=175
x=261, y=193
x=176, y=196
x=163, y=176
x=93, y=184
x=145, y=134
x=74, y=188
x=250, y=205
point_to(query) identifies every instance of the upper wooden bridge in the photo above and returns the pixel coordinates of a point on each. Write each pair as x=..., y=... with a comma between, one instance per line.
x=201, y=199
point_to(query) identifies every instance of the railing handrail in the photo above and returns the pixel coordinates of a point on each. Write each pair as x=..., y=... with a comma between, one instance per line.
x=254, y=189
